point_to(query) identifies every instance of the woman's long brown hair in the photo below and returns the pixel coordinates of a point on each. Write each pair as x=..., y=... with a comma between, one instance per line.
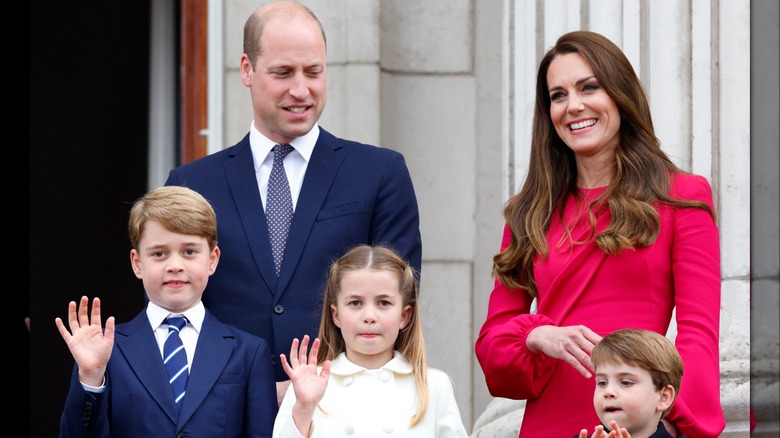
x=641, y=178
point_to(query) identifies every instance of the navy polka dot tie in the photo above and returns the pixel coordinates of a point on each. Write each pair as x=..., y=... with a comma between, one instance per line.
x=175, y=359
x=279, y=208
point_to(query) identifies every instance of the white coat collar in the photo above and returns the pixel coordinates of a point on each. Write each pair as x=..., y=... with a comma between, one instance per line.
x=341, y=366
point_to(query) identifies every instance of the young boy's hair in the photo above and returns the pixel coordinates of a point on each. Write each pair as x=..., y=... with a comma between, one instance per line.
x=645, y=349
x=410, y=342
x=178, y=209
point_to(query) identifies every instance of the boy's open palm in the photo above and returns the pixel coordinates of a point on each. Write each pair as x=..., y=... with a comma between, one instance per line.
x=89, y=345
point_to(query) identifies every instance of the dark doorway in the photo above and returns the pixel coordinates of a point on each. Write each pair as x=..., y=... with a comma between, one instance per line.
x=89, y=68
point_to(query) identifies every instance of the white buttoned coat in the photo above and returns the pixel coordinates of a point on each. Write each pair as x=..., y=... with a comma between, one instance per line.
x=362, y=403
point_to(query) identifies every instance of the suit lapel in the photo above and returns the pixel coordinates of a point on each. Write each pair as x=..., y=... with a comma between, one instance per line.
x=214, y=349
x=323, y=166
x=240, y=174
x=136, y=342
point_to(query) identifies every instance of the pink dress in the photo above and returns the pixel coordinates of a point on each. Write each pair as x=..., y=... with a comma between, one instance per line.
x=634, y=289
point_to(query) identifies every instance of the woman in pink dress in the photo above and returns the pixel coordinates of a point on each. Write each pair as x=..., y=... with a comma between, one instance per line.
x=606, y=233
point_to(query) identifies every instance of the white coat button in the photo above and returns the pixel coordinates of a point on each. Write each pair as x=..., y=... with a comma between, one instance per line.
x=347, y=381
x=349, y=429
x=387, y=428
x=384, y=376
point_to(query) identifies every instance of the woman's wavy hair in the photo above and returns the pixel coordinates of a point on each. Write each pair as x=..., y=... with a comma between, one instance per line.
x=642, y=171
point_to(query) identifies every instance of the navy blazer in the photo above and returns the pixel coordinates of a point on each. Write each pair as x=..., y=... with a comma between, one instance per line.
x=352, y=193
x=231, y=391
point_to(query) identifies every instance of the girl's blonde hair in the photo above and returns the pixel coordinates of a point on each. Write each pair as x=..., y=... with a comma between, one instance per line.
x=410, y=342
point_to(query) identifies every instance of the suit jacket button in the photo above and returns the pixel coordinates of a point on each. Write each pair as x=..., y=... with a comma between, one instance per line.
x=278, y=309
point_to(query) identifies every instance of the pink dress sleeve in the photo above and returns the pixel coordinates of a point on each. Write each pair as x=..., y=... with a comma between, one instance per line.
x=697, y=285
x=501, y=345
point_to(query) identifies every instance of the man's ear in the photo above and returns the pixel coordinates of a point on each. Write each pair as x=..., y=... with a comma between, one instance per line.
x=247, y=70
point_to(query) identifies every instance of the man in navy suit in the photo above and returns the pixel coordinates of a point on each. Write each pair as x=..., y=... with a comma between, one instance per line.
x=230, y=386
x=343, y=192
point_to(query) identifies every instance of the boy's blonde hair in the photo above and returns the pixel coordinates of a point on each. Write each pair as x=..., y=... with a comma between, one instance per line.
x=410, y=342
x=178, y=209
x=645, y=349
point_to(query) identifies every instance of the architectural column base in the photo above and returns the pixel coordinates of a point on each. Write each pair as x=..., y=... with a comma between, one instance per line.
x=501, y=419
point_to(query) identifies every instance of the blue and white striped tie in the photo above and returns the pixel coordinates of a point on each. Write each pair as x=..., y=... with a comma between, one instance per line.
x=175, y=359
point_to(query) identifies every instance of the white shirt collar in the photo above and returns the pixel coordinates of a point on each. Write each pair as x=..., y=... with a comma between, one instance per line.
x=262, y=145
x=157, y=315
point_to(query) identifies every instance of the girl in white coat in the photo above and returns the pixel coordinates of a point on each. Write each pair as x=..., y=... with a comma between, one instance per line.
x=366, y=374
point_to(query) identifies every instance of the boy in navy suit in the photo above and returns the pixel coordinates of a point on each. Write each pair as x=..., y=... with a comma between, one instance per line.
x=230, y=389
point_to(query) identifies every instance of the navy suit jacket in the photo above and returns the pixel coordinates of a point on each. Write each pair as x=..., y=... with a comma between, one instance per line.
x=231, y=391
x=352, y=193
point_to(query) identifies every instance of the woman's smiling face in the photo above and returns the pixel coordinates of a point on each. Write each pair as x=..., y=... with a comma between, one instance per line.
x=584, y=115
